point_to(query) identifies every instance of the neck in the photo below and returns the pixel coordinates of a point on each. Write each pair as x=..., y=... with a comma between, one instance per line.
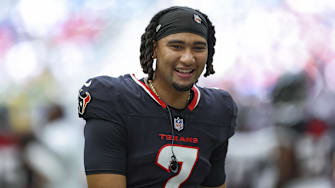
x=172, y=97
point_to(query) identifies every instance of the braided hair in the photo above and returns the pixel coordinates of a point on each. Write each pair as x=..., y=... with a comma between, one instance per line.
x=148, y=37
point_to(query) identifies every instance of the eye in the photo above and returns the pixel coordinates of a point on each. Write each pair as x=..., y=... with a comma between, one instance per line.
x=199, y=48
x=176, y=46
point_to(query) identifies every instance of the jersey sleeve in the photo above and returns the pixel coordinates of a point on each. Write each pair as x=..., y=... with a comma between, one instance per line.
x=105, y=147
x=105, y=132
x=233, y=121
x=217, y=174
x=100, y=98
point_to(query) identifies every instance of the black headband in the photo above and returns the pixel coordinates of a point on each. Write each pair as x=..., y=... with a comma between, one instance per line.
x=182, y=19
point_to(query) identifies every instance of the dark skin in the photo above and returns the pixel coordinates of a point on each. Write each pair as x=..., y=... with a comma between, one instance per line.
x=106, y=181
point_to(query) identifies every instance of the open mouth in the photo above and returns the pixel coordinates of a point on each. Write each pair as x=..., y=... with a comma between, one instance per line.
x=185, y=71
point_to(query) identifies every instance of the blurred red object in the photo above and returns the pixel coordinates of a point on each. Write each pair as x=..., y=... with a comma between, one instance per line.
x=316, y=128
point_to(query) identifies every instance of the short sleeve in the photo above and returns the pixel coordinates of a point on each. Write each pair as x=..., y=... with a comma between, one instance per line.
x=99, y=98
x=217, y=175
x=105, y=147
x=105, y=132
x=233, y=122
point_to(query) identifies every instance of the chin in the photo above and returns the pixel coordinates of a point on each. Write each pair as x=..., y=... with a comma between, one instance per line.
x=179, y=87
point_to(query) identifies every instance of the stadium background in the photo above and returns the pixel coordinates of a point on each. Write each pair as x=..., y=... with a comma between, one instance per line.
x=276, y=57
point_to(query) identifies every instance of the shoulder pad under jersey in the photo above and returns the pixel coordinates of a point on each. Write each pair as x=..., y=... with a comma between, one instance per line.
x=99, y=98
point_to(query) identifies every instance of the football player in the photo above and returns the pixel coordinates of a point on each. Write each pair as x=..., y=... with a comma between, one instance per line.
x=162, y=130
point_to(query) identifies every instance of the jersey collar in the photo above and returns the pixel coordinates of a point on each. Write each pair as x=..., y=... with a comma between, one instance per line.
x=191, y=106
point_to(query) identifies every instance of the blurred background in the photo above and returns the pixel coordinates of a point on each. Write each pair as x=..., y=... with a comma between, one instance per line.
x=276, y=58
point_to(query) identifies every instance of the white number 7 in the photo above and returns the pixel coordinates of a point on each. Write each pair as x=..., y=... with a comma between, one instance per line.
x=186, y=156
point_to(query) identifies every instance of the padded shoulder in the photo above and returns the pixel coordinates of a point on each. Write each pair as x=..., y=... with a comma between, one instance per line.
x=221, y=99
x=229, y=101
x=231, y=104
x=222, y=105
x=99, y=99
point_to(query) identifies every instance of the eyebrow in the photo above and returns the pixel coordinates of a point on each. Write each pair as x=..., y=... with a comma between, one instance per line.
x=182, y=42
x=200, y=43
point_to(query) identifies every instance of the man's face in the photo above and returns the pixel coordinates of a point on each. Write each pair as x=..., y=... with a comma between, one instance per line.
x=181, y=58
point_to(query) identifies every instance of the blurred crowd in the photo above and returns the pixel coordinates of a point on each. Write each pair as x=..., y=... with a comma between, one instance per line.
x=48, y=156
x=286, y=141
x=276, y=58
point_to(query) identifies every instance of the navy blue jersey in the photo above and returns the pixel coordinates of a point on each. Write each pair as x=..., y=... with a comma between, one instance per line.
x=129, y=131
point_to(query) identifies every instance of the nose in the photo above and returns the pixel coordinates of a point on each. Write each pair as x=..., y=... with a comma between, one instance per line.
x=187, y=57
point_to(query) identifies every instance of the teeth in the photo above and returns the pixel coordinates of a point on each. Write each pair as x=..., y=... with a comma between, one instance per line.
x=184, y=71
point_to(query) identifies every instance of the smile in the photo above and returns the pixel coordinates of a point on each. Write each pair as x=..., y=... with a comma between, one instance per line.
x=184, y=73
x=184, y=70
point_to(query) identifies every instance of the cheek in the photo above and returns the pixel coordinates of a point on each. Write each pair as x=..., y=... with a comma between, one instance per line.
x=203, y=60
x=202, y=68
x=168, y=59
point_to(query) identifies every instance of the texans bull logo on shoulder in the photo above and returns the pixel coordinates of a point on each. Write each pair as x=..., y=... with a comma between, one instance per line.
x=84, y=98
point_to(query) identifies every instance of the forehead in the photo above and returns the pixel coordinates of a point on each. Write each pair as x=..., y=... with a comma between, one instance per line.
x=183, y=37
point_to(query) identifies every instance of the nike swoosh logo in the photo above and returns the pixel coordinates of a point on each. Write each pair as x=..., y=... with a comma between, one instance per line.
x=88, y=83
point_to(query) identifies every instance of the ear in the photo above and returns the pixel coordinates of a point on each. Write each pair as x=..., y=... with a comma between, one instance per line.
x=154, y=55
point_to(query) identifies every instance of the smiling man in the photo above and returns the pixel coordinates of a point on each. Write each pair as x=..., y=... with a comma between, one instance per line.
x=162, y=130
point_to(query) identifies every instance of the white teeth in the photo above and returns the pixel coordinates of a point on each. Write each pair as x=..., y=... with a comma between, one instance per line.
x=184, y=71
